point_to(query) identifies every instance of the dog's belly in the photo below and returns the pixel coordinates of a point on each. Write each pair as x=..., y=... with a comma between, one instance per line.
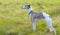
x=38, y=16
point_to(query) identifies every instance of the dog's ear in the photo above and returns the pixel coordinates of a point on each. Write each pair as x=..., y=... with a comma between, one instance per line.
x=29, y=5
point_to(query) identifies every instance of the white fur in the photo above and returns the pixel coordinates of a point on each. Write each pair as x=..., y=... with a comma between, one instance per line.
x=30, y=9
x=33, y=26
x=49, y=23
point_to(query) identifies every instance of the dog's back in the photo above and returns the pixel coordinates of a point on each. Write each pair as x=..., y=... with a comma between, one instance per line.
x=38, y=15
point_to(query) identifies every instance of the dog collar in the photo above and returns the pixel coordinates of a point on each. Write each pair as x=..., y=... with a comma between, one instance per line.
x=30, y=12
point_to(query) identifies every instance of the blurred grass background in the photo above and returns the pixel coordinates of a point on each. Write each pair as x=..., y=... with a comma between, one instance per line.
x=15, y=21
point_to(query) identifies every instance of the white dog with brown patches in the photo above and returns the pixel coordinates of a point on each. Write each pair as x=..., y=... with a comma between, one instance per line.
x=35, y=16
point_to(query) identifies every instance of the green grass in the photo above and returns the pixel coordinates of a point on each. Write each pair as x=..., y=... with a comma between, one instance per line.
x=15, y=21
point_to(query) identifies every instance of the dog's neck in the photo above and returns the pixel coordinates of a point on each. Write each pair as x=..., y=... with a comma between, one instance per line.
x=30, y=10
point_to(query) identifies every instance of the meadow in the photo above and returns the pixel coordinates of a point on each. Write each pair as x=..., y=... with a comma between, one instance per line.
x=15, y=21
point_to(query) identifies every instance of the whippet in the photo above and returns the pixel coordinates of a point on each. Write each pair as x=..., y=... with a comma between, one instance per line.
x=35, y=16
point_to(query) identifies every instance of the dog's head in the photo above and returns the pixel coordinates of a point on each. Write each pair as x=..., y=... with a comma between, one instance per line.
x=27, y=6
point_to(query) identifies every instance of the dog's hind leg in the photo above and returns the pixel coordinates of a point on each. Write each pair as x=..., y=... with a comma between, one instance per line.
x=49, y=24
x=52, y=29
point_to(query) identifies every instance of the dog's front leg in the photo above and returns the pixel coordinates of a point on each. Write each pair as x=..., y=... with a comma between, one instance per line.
x=33, y=26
